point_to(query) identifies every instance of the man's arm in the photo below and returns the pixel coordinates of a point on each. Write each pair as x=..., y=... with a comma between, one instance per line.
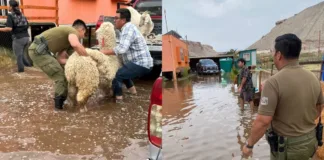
x=126, y=39
x=9, y=24
x=108, y=52
x=268, y=104
x=243, y=82
x=320, y=101
x=259, y=128
x=244, y=76
x=6, y=29
x=62, y=57
x=76, y=45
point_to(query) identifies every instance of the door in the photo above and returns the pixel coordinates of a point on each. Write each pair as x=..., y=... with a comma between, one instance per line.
x=253, y=55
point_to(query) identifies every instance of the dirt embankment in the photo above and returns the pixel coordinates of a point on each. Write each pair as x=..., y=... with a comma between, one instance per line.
x=306, y=25
x=196, y=49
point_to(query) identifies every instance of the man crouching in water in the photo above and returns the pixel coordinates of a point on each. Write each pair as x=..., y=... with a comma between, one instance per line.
x=56, y=40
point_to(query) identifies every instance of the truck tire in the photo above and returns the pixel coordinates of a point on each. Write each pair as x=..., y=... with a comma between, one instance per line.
x=27, y=55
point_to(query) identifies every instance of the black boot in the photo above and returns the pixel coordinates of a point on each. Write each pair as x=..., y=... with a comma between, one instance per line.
x=59, y=101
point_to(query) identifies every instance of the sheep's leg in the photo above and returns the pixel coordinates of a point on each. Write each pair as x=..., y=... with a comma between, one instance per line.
x=72, y=92
x=82, y=105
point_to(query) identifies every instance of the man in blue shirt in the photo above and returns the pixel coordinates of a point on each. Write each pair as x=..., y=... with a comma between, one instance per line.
x=137, y=60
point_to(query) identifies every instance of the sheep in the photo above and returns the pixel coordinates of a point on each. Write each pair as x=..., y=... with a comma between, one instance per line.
x=82, y=76
x=146, y=24
x=135, y=16
x=101, y=69
x=107, y=65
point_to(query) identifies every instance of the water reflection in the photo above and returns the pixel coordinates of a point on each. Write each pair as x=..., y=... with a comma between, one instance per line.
x=30, y=128
x=202, y=120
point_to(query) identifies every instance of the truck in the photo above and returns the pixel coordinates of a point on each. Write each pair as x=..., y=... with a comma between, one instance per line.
x=154, y=45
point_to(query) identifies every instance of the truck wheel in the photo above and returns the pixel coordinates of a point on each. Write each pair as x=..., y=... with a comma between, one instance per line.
x=27, y=55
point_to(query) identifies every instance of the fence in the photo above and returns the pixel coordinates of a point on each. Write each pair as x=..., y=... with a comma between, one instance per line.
x=265, y=61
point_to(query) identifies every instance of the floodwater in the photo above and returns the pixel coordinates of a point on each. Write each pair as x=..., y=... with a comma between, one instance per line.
x=202, y=120
x=31, y=129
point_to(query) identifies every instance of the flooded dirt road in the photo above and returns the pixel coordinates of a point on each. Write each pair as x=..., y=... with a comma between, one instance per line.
x=202, y=121
x=31, y=129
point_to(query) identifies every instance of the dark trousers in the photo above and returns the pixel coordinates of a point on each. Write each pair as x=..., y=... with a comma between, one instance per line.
x=18, y=46
x=125, y=75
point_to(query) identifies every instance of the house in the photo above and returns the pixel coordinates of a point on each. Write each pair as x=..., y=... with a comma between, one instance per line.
x=175, y=55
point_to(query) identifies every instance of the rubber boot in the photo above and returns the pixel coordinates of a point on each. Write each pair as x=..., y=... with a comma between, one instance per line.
x=59, y=101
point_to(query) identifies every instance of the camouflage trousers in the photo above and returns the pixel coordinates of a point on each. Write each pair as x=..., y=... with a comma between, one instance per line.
x=298, y=148
x=51, y=67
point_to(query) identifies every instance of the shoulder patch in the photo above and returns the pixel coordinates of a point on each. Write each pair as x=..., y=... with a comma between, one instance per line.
x=264, y=101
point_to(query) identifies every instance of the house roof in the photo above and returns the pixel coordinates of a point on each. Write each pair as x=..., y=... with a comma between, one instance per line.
x=174, y=33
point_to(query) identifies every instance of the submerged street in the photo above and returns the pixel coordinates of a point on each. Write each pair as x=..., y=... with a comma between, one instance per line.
x=31, y=129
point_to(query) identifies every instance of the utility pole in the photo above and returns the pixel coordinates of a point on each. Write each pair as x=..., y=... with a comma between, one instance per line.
x=166, y=22
x=174, y=77
x=319, y=42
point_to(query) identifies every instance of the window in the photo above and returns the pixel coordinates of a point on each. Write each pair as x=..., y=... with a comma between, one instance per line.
x=4, y=12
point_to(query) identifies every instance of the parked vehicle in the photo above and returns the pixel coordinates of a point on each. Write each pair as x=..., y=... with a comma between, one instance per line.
x=155, y=47
x=207, y=66
x=154, y=125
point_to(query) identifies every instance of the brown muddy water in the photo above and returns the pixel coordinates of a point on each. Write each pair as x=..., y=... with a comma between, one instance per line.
x=31, y=129
x=202, y=121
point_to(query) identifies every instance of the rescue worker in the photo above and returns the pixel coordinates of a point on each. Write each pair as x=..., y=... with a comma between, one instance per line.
x=17, y=24
x=137, y=60
x=290, y=102
x=46, y=50
x=246, y=88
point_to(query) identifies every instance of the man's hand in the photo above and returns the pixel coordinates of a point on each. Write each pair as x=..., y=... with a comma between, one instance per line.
x=77, y=46
x=108, y=52
x=246, y=152
x=239, y=89
x=62, y=57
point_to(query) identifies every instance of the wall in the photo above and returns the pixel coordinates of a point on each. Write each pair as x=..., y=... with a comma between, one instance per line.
x=87, y=10
x=40, y=12
x=252, y=57
x=171, y=55
x=69, y=10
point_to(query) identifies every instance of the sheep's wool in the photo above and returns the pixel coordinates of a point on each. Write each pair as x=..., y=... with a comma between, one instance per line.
x=82, y=73
x=146, y=24
x=86, y=74
x=106, y=36
x=135, y=16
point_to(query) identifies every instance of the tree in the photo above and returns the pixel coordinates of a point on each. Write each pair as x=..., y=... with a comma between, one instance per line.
x=233, y=52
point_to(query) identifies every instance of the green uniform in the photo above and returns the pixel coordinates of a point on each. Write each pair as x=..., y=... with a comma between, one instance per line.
x=57, y=41
x=290, y=97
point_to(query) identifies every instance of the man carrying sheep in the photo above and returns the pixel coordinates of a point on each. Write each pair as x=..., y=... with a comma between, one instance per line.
x=57, y=40
x=137, y=60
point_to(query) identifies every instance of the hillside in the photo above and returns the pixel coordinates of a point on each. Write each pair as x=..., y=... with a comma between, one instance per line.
x=306, y=25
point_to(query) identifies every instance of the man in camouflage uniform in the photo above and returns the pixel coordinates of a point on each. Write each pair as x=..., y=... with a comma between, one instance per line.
x=246, y=88
x=290, y=102
x=46, y=50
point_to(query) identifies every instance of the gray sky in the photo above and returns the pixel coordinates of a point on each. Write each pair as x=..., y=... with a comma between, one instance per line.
x=226, y=24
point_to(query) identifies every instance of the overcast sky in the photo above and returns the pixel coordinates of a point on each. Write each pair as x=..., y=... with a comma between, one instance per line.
x=226, y=24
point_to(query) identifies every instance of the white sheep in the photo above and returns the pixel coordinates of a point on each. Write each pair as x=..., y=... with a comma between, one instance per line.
x=103, y=68
x=142, y=21
x=146, y=24
x=135, y=16
x=82, y=76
